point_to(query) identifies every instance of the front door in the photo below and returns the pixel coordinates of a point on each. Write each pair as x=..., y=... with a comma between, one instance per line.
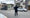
x=29, y=7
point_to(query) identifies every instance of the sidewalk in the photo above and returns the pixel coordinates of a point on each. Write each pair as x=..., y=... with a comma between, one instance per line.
x=12, y=10
x=28, y=11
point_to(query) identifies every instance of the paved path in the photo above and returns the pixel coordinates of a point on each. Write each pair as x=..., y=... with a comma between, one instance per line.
x=10, y=14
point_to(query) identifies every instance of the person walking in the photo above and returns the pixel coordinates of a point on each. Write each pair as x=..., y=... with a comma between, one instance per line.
x=16, y=11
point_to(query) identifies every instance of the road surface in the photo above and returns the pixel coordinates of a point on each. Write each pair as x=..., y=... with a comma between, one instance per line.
x=10, y=14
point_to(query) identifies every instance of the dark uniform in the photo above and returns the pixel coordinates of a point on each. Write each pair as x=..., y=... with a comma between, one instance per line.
x=16, y=11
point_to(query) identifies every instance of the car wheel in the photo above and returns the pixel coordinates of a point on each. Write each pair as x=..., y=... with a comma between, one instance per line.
x=25, y=11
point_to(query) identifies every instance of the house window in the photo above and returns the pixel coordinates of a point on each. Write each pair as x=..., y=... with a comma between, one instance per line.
x=21, y=0
x=18, y=4
x=23, y=3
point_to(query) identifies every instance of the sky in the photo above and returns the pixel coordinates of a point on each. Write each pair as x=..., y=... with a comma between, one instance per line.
x=7, y=1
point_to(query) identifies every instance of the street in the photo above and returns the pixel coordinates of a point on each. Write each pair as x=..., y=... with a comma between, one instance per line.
x=10, y=14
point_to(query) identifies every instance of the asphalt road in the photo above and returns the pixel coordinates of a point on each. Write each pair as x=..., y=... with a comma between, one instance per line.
x=10, y=14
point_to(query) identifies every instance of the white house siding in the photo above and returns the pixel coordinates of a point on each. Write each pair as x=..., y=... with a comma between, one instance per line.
x=22, y=4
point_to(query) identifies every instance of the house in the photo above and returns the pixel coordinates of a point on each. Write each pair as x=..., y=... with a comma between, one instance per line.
x=4, y=6
x=1, y=5
x=11, y=6
x=27, y=4
x=20, y=3
x=23, y=4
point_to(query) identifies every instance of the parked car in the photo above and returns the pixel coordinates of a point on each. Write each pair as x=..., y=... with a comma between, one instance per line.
x=3, y=8
x=22, y=9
